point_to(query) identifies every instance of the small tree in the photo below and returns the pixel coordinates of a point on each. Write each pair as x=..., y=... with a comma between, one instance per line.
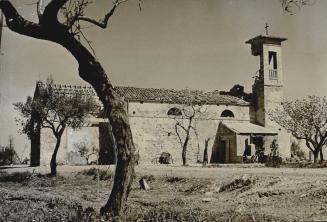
x=55, y=111
x=8, y=154
x=85, y=151
x=185, y=116
x=306, y=119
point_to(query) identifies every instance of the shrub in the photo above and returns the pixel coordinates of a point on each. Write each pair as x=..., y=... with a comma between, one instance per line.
x=244, y=183
x=94, y=172
x=7, y=156
x=273, y=161
x=17, y=177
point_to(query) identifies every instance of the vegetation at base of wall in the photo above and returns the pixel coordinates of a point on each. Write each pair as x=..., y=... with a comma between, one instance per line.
x=305, y=164
x=30, y=179
x=17, y=177
x=273, y=161
x=8, y=154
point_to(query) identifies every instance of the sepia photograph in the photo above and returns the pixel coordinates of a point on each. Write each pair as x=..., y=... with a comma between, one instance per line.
x=163, y=110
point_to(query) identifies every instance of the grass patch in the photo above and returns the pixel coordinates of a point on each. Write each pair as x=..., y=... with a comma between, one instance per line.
x=95, y=173
x=305, y=164
x=175, y=179
x=30, y=179
x=16, y=177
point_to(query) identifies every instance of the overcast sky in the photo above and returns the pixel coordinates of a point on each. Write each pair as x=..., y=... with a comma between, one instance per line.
x=197, y=44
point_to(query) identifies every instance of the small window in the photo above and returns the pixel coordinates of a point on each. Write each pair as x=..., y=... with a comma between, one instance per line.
x=227, y=113
x=174, y=112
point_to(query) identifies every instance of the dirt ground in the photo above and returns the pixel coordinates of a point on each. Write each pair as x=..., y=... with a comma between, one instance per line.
x=257, y=193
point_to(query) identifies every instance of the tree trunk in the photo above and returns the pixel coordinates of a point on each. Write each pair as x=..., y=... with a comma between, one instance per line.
x=92, y=72
x=205, y=152
x=53, y=162
x=184, y=150
x=315, y=156
x=35, y=139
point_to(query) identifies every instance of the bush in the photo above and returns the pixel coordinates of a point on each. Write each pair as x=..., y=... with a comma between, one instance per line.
x=17, y=177
x=7, y=156
x=273, y=161
x=244, y=183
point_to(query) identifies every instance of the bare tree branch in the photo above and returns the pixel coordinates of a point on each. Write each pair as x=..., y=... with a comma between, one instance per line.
x=102, y=23
x=18, y=24
x=288, y=5
x=178, y=136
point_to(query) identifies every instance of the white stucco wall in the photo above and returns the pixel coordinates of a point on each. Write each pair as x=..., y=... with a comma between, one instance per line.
x=67, y=153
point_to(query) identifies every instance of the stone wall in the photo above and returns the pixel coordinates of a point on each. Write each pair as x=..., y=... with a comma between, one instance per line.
x=154, y=131
x=160, y=110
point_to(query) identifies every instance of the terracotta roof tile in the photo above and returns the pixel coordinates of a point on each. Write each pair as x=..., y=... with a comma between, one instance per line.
x=156, y=95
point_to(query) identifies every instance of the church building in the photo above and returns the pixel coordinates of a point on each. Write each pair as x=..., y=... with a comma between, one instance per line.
x=236, y=124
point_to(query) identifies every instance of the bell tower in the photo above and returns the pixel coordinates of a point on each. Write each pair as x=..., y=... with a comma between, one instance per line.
x=268, y=85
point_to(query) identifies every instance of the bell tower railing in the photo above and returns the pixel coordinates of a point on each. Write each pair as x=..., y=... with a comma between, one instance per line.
x=273, y=74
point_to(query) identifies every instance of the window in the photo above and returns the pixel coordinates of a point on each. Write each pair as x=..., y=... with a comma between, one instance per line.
x=174, y=112
x=272, y=65
x=227, y=113
x=273, y=59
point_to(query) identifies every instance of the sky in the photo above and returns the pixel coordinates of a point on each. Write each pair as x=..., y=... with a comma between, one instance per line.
x=196, y=44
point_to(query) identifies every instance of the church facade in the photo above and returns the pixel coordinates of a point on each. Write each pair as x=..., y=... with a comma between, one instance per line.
x=235, y=123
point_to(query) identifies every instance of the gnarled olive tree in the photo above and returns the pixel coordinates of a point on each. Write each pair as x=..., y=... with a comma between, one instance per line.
x=65, y=33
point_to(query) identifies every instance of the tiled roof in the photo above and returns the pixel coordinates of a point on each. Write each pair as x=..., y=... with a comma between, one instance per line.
x=156, y=95
x=246, y=128
x=67, y=89
x=177, y=96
